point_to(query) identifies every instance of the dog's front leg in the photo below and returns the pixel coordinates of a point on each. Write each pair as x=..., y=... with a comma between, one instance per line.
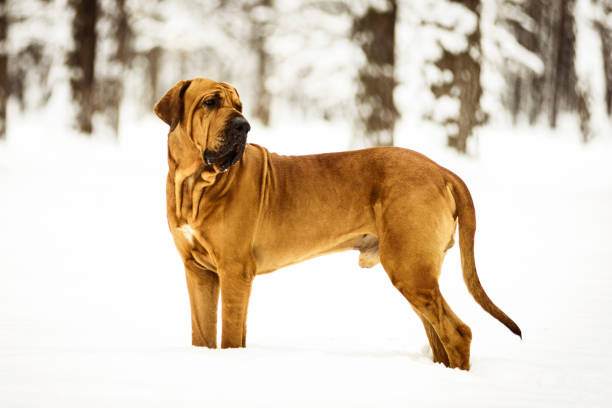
x=235, y=292
x=203, y=287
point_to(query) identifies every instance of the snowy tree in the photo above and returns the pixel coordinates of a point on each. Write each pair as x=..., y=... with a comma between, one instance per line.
x=4, y=82
x=563, y=75
x=603, y=25
x=260, y=14
x=81, y=59
x=113, y=58
x=454, y=75
x=507, y=35
x=171, y=42
x=547, y=29
x=101, y=52
x=314, y=60
x=506, y=62
x=574, y=77
x=26, y=55
x=351, y=61
x=374, y=31
x=246, y=26
x=592, y=67
x=340, y=62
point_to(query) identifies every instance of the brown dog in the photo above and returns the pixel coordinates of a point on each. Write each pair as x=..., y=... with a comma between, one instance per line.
x=235, y=211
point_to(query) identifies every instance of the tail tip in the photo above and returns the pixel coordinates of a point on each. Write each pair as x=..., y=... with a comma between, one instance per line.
x=516, y=330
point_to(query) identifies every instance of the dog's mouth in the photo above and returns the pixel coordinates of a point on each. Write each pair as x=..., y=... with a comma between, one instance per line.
x=225, y=160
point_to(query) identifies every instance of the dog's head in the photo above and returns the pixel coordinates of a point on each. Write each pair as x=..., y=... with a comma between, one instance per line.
x=209, y=118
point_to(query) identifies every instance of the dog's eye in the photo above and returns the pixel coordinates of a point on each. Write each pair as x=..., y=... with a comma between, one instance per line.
x=239, y=108
x=210, y=102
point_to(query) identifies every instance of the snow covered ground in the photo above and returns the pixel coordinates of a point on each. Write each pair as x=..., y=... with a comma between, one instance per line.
x=94, y=309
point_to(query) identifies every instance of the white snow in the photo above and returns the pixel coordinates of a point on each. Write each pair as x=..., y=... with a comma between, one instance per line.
x=589, y=65
x=94, y=308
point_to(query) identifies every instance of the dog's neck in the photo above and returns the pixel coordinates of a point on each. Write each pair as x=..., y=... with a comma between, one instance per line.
x=188, y=175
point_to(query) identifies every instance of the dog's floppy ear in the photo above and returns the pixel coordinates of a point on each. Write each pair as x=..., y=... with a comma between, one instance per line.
x=170, y=106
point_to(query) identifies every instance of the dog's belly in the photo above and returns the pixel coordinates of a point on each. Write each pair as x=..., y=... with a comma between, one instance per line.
x=270, y=259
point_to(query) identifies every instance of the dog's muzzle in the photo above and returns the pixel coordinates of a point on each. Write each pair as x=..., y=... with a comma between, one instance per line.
x=233, y=147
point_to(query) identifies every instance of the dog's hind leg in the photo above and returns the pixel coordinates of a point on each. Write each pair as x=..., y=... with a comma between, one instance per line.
x=439, y=354
x=203, y=287
x=413, y=261
x=448, y=330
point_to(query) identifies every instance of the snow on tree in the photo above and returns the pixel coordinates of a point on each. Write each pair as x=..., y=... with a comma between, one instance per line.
x=591, y=66
x=547, y=29
x=506, y=62
x=453, y=72
x=362, y=62
x=114, y=57
x=225, y=40
x=81, y=59
x=28, y=55
x=374, y=31
x=314, y=60
x=4, y=82
x=603, y=25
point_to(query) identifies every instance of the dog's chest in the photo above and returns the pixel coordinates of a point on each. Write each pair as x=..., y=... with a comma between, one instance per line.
x=191, y=245
x=188, y=232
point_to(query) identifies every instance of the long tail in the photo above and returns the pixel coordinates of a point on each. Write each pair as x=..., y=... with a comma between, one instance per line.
x=467, y=229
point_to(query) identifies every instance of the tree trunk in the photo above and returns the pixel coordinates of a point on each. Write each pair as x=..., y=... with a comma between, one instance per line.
x=153, y=57
x=536, y=91
x=258, y=44
x=515, y=101
x=465, y=67
x=375, y=33
x=564, y=75
x=552, y=37
x=605, y=35
x=109, y=91
x=4, y=81
x=123, y=35
x=82, y=61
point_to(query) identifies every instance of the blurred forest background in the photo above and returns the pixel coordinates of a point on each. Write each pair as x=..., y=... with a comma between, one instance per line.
x=454, y=63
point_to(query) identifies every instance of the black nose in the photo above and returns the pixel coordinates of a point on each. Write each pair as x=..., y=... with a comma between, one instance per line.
x=240, y=125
